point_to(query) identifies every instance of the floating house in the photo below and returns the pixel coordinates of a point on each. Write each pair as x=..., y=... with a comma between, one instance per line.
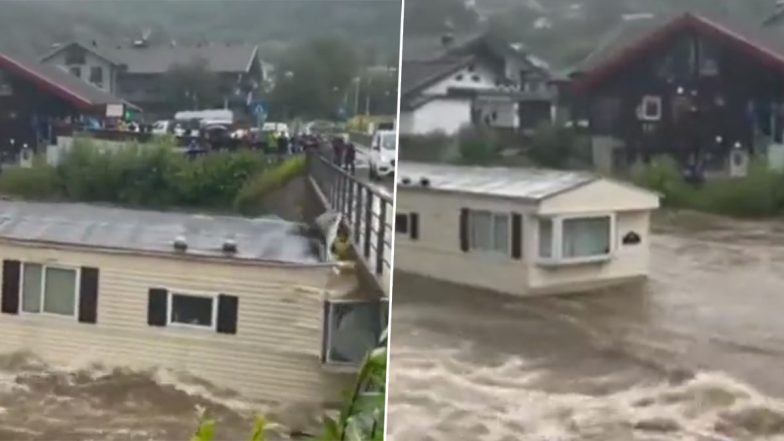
x=245, y=304
x=521, y=231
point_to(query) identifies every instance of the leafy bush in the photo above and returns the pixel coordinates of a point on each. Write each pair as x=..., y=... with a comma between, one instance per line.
x=477, y=145
x=152, y=175
x=759, y=193
x=557, y=147
x=434, y=147
x=39, y=182
x=249, y=197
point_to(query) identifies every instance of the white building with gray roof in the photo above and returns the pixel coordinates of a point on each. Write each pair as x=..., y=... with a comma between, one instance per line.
x=520, y=231
x=251, y=305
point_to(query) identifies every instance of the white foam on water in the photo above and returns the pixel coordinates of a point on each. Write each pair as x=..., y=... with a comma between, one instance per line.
x=453, y=400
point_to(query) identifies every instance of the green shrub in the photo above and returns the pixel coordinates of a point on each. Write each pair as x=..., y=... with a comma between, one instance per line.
x=477, y=145
x=557, y=147
x=215, y=180
x=434, y=147
x=251, y=195
x=759, y=193
x=39, y=182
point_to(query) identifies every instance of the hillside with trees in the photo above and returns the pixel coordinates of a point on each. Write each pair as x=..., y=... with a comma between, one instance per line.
x=371, y=25
x=561, y=31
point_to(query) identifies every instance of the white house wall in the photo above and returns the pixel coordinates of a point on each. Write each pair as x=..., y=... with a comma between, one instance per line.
x=446, y=115
x=91, y=60
x=599, y=196
x=275, y=354
x=437, y=252
x=486, y=80
x=627, y=263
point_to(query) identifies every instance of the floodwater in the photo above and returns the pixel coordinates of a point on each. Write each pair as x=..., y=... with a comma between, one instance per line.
x=43, y=403
x=696, y=353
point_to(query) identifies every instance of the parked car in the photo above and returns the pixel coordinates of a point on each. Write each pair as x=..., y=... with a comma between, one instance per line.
x=383, y=150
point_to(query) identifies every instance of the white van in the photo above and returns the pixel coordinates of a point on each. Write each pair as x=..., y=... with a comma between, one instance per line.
x=382, y=154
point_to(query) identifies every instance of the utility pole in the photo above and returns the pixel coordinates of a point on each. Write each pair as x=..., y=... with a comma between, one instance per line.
x=367, y=96
x=357, y=80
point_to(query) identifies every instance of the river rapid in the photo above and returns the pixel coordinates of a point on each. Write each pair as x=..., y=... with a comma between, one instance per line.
x=39, y=402
x=694, y=354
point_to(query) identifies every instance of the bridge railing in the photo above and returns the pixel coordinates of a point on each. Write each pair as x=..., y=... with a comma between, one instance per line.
x=367, y=212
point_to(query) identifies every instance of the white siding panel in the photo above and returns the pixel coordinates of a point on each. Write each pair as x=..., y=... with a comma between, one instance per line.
x=445, y=115
x=275, y=354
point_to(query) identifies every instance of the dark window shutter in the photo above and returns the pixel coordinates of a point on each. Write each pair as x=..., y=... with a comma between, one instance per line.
x=464, y=229
x=401, y=223
x=325, y=334
x=227, y=314
x=157, y=307
x=11, y=273
x=517, y=236
x=88, y=295
x=414, y=225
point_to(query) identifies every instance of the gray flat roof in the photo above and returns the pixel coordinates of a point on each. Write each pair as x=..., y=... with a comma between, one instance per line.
x=521, y=183
x=261, y=239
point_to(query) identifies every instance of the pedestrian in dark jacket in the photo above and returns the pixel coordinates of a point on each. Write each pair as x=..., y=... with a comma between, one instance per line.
x=338, y=148
x=283, y=145
x=349, y=158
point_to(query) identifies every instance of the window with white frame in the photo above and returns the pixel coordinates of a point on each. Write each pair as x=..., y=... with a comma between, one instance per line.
x=585, y=237
x=192, y=310
x=489, y=231
x=351, y=329
x=575, y=238
x=49, y=289
x=651, y=108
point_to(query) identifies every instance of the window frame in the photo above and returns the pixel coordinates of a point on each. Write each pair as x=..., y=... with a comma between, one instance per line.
x=44, y=266
x=94, y=69
x=74, y=69
x=556, y=241
x=492, y=251
x=170, y=293
x=651, y=100
x=326, y=337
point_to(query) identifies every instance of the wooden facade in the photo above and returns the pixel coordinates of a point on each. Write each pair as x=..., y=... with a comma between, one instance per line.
x=692, y=89
x=37, y=100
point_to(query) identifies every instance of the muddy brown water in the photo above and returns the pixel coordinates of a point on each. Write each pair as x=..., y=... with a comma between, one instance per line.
x=39, y=402
x=696, y=353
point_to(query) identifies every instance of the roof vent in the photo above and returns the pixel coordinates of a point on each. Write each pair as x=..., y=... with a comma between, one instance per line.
x=229, y=246
x=424, y=182
x=180, y=244
x=405, y=181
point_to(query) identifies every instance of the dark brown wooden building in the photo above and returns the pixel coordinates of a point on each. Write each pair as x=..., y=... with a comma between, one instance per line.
x=706, y=91
x=36, y=99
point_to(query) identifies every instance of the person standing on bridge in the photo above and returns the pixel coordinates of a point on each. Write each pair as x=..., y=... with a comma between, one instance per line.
x=338, y=148
x=349, y=158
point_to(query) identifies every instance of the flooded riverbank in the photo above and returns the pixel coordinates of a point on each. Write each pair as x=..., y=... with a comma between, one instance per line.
x=694, y=354
x=42, y=403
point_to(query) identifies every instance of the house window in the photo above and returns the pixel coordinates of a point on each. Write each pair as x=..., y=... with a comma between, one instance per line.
x=351, y=329
x=192, y=310
x=545, y=238
x=5, y=85
x=651, y=108
x=75, y=71
x=489, y=231
x=401, y=223
x=48, y=289
x=586, y=237
x=96, y=76
x=75, y=55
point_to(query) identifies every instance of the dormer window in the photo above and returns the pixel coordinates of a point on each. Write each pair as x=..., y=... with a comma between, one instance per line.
x=75, y=55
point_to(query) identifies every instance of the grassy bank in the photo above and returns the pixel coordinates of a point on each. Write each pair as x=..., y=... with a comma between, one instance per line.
x=153, y=176
x=759, y=194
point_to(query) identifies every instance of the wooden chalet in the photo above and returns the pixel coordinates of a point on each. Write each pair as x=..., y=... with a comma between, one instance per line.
x=708, y=92
x=37, y=101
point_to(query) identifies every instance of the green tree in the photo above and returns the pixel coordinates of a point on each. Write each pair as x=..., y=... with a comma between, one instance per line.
x=314, y=79
x=192, y=85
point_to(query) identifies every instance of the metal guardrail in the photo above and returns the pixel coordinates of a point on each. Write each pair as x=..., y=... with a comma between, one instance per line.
x=366, y=212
